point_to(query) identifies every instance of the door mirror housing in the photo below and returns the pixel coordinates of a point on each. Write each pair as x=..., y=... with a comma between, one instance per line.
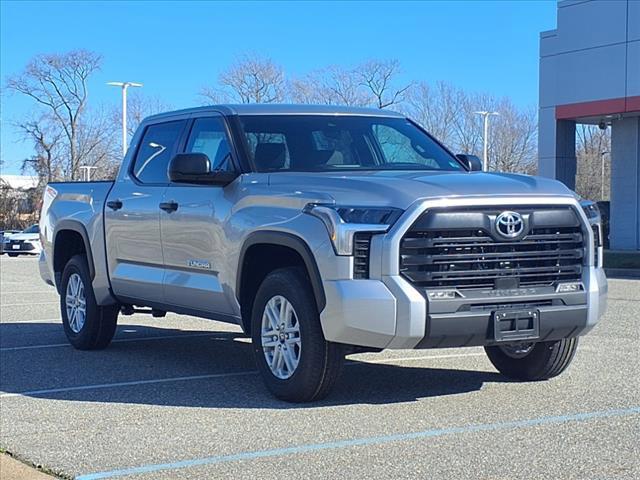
x=196, y=168
x=472, y=162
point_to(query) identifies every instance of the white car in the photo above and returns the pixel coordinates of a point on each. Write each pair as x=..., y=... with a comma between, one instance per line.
x=25, y=242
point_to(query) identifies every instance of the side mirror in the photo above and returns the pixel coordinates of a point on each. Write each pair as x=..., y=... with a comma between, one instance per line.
x=472, y=162
x=196, y=168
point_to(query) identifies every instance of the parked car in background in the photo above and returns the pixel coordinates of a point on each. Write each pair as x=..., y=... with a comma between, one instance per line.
x=26, y=242
x=4, y=235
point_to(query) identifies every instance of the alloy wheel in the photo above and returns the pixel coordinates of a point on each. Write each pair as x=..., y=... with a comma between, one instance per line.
x=280, y=335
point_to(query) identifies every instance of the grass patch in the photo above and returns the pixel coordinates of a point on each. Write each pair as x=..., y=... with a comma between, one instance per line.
x=617, y=259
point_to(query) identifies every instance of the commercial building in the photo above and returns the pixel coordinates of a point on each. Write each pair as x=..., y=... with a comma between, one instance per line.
x=590, y=73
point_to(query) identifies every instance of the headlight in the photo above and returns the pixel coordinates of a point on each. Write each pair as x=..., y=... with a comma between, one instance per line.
x=343, y=222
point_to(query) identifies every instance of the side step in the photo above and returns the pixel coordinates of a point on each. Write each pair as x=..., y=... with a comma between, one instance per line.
x=131, y=309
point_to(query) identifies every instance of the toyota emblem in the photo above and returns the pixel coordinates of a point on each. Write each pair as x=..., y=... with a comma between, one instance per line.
x=509, y=224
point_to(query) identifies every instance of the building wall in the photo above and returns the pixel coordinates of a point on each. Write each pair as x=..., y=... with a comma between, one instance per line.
x=625, y=176
x=589, y=73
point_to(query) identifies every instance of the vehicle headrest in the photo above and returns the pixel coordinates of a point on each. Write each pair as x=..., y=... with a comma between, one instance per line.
x=270, y=156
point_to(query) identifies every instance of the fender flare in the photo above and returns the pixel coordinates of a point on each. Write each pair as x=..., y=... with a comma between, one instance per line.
x=283, y=239
x=72, y=225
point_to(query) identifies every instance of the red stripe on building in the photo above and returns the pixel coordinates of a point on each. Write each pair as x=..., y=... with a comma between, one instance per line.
x=598, y=108
x=633, y=104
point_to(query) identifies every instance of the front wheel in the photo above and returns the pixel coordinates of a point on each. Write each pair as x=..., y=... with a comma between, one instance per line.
x=534, y=361
x=293, y=357
x=88, y=326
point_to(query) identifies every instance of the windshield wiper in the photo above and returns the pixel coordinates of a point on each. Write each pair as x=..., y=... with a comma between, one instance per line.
x=402, y=166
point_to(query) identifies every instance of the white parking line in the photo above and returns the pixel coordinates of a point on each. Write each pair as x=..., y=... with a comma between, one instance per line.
x=32, y=320
x=203, y=377
x=29, y=291
x=26, y=304
x=126, y=384
x=117, y=340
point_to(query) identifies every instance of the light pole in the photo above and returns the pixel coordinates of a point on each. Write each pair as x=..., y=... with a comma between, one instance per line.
x=602, y=177
x=124, y=86
x=485, y=156
x=87, y=171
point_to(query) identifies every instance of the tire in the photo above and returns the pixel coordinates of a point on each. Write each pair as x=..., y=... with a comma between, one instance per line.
x=543, y=361
x=13, y=254
x=99, y=325
x=316, y=362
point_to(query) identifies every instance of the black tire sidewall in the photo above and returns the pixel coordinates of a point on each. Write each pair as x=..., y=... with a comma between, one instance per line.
x=546, y=360
x=306, y=380
x=87, y=336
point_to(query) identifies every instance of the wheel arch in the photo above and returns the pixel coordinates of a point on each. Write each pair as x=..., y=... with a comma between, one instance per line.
x=274, y=241
x=74, y=235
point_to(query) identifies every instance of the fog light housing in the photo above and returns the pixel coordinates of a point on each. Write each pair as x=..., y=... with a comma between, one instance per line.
x=569, y=287
x=442, y=294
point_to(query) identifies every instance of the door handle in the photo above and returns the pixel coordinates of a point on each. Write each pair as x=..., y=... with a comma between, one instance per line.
x=169, y=206
x=114, y=204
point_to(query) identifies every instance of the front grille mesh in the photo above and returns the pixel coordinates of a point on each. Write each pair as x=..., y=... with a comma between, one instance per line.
x=471, y=258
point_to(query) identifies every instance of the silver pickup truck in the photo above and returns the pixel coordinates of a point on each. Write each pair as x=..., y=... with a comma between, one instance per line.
x=323, y=231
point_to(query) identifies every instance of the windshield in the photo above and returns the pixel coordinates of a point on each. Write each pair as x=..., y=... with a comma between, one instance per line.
x=32, y=229
x=330, y=143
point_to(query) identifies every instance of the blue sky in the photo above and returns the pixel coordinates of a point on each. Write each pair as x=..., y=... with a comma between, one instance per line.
x=175, y=48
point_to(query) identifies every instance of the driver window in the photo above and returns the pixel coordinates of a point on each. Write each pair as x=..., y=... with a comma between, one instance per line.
x=208, y=136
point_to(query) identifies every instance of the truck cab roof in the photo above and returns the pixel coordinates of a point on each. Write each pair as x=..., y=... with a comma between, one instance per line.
x=278, y=109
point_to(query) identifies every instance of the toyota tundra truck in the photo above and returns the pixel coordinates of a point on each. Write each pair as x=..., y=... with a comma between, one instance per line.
x=324, y=231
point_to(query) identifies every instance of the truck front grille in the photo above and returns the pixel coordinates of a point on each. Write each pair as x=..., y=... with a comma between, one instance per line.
x=465, y=258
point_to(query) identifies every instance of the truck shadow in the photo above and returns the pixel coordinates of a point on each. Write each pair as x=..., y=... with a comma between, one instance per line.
x=146, y=371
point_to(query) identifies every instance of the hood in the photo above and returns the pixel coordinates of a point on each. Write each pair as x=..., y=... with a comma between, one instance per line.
x=401, y=189
x=23, y=236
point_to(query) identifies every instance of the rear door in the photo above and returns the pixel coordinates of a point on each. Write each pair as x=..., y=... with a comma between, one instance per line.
x=132, y=216
x=194, y=238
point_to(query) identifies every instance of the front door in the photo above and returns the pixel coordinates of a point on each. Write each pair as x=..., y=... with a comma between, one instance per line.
x=132, y=216
x=193, y=230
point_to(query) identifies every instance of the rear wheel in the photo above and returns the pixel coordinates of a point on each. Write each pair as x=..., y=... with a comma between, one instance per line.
x=293, y=357
x=12, y=254
x=88, y=326
x=533, y=361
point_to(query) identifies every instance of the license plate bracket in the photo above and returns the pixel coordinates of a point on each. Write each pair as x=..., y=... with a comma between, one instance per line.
x=517, y=325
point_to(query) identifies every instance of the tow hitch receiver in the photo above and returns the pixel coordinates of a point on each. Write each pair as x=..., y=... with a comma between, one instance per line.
x=513, y=326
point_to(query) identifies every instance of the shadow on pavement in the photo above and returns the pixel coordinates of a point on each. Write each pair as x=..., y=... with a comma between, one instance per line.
x=191, y=354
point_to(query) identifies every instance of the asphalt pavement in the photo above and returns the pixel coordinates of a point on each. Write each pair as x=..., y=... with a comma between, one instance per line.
x=178, y=397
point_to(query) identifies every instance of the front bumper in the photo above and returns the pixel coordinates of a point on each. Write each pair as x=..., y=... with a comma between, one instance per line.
x=387, y=311
x=392, y=314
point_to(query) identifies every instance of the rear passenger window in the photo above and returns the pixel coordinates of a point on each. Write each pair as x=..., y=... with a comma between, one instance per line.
x=156, y=149
x=208, y=136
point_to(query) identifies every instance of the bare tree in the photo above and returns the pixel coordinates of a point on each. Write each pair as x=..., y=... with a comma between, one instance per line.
x=59, y=83
x=139, y=106
x=513, y=139
x=333, y=85
x=593, y=147
x=378, y=79
x=46, y=140
x=250, y=79
x=437, y=109
x=98, y=147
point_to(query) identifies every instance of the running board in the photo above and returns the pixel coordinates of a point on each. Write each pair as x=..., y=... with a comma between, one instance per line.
x=130, y=310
